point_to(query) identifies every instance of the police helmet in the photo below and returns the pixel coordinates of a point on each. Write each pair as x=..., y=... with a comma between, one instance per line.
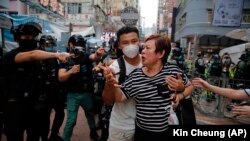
x=200, y=54
x=29, y=28
x=215, y=56
x=176, y=51
x=77, y=40
x=243, y=57
x=48, y=41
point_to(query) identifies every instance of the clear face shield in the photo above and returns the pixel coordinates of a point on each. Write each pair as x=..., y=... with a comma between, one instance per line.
x=226, y=60
x=50, y=46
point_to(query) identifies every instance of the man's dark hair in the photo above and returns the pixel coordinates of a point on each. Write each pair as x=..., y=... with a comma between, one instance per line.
x=125, y=30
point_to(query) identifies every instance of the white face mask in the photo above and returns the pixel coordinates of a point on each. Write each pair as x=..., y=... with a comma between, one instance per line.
x=130, y=51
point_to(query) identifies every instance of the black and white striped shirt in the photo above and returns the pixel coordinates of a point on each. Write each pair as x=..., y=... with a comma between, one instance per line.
x=152, y=97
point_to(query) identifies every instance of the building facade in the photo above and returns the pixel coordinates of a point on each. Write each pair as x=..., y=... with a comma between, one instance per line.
x=103, y=15
x=194, y=28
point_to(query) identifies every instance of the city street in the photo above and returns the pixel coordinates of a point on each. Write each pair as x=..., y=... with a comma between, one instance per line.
x=50, y=44
x=81, y=130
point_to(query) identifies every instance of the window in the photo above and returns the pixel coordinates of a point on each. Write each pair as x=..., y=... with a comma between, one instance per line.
x=209, y=15
x=246, y=16
x=74, y=8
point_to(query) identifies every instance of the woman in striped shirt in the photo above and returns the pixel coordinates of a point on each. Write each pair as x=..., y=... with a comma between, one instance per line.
x=150, y=89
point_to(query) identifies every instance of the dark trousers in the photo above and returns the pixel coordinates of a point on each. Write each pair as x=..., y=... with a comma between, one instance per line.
x=40, y=125
x=41, y=122
x=58, y=106
x=1, y=124
x=2, y=105
x=18, y=116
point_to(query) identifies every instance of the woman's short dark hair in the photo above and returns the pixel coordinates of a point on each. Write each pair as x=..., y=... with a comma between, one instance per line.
x=162, y=43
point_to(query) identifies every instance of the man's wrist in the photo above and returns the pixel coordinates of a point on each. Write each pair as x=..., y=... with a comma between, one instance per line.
x=183, y=95
x=57, y=55
x=182, y=90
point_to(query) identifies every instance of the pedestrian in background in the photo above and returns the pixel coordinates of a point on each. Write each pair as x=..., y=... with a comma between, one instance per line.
x=200, y=65
x=227, y=63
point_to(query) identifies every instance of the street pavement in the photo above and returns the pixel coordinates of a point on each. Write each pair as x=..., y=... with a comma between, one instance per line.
x=203, y=119
x=81, y=130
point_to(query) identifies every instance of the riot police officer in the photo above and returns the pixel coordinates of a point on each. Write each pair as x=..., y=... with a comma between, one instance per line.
x=21, y=67
x=78, y=76
x=51, y=93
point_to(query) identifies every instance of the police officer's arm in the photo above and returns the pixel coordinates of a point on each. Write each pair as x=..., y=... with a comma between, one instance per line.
x=39, y=55
x=226, y=92
x=64, y=74
x=97, y=55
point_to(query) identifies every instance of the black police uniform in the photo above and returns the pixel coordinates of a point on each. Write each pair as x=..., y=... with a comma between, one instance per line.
x=50, y=96
x=21, y=84
x=80, y=89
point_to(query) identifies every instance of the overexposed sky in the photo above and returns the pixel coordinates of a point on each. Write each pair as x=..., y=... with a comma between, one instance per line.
x=149, y=11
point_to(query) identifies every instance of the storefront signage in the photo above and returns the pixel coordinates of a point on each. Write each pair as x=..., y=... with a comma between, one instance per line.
x=129, y=16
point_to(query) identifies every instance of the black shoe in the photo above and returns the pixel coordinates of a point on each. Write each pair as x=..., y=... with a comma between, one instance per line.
x=55, y=137
x=94, y=136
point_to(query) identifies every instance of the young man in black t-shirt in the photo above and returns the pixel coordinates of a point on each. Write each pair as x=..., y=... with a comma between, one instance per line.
x=78, y=76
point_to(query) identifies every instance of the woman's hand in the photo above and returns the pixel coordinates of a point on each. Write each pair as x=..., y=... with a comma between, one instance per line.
x=176, y=98
x=175, y=84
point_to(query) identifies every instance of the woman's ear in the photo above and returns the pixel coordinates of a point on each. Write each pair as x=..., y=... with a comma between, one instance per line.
x=162, y=54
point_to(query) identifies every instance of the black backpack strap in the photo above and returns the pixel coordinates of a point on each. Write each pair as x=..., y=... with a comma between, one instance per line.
x=122, y=67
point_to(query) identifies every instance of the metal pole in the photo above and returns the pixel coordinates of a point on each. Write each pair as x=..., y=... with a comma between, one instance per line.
x=195, y=50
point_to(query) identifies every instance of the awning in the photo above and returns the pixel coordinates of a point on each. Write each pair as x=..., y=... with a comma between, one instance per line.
x=235, y=51
x=47, y=26
x=242, y=34
x=85, y=32
x=57, y=31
